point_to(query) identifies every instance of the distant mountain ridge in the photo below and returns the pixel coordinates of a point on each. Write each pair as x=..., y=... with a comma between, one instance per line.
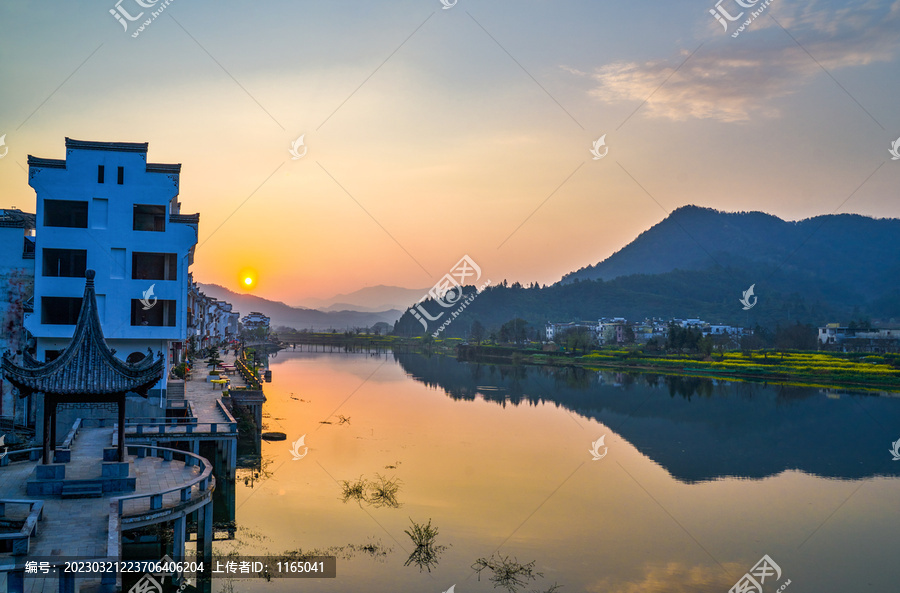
x=697, y=262
x=370, y=298
x=695, y=238
x=296, y=317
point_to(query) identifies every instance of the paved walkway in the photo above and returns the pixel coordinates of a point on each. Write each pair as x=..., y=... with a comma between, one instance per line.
x=203, y=395
x=79, y=527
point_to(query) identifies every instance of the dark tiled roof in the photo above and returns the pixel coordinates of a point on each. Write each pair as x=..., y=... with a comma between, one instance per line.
x=12, y=217
x=115, y=146
x=87, y=366
x=163, y=168
x=36, y=161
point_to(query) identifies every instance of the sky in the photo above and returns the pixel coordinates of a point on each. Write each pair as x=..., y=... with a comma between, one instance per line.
x=431, y=133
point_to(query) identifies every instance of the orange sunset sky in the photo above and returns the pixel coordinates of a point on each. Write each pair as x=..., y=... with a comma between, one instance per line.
x=436, y=133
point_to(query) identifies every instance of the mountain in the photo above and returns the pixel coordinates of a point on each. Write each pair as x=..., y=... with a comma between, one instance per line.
x=698, y=262
x=296, y=317
x=371, y=299
x=852, y=247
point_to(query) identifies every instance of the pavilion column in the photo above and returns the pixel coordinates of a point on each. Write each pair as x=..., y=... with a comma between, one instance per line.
x=122, y=427
x=53, y=403
x=46, y=436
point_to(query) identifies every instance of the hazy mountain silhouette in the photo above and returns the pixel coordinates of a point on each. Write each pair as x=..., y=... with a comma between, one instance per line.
x=697, y=263
x=300, y=318
x=370, y=299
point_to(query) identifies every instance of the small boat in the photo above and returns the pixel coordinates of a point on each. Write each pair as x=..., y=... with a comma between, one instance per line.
x=273, y=436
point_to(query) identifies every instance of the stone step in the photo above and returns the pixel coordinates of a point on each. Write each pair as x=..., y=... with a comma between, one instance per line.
x=82, y=491
x=175, y=390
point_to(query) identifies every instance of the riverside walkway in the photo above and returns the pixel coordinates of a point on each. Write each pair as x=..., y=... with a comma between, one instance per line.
x=71, y=528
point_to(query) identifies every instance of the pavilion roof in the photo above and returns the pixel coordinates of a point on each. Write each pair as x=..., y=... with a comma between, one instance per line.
x=87, y=367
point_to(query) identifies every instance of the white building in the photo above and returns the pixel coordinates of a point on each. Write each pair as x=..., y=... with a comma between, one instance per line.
x=104, y=207
x=255, y=320
x=16, y=291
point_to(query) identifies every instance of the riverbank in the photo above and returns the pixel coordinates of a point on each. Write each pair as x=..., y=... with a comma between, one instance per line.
x=810, y=368
x=819, y=369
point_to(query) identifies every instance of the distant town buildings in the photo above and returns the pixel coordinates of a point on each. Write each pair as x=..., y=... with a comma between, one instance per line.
x=254, y=321
x=211, y=322
x=835, y=336
x=617, y=330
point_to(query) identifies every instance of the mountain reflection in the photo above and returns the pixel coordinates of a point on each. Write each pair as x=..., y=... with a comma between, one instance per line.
x=697, y=428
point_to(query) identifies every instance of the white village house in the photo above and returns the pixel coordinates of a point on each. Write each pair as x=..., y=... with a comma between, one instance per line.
x=104, y=207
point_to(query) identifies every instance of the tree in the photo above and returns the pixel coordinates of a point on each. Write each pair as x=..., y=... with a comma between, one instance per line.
x=577, y=337
x=514, y=330
x=476, y=333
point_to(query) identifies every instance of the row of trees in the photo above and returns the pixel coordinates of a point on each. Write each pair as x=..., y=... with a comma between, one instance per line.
x=794, y=336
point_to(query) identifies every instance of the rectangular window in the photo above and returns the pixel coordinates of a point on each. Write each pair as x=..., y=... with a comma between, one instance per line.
x=66, y=213
x=67, y=263
x=154, y=266
x=100, y=174
x=149, y=218
x=160, y=314
x=121, y=177
x=50, y=355
x=60, y=310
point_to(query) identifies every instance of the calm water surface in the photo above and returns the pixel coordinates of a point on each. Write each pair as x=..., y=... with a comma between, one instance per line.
x=699, y=481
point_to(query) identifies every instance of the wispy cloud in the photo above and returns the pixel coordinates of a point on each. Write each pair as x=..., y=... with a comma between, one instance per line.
x=738, y=79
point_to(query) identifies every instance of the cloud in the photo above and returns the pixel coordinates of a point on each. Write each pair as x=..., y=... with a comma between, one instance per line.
x=675, y=577
x=738, y=79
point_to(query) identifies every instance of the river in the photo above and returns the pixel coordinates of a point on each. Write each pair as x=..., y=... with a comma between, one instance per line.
x=695, y=481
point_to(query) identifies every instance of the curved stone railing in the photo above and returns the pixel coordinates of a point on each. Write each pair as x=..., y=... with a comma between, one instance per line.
x=160, y=505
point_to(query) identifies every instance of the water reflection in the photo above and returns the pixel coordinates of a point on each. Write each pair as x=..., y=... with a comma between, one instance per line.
x=697, y=428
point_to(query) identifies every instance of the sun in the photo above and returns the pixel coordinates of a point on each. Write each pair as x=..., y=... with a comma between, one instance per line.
x=247, y=278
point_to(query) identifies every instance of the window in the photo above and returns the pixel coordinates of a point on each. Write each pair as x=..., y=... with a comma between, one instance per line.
x=68, y=263
x=65, y=213
x=135, y=357
x=100, y=174
x=50, y=355
x=154, y=266
x=60, y=310
x=121, y=176
x=160, y=314
x=149, y=218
